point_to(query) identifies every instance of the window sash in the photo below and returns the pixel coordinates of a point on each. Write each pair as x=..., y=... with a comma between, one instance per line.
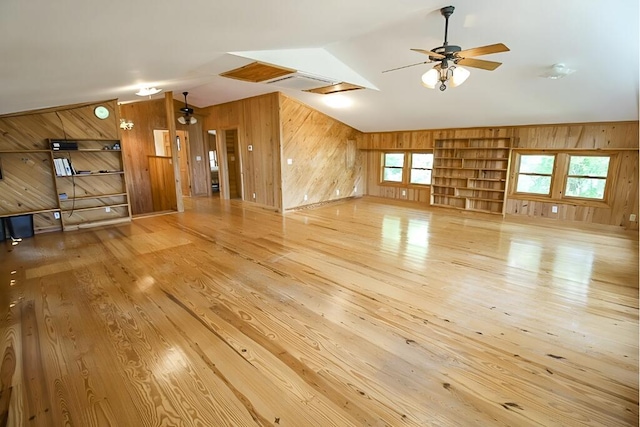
x=418, y=173
x=536, y=183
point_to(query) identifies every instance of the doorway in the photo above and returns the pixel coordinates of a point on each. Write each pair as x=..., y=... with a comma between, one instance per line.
x=182, y=142
x=234, y=164
x=214, y=168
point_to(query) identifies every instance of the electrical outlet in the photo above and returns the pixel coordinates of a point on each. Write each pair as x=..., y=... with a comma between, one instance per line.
x=632, y=217
x=355, y=188
x=305, y=197
x=289, y=161
x=337, y=192
x=554, y=209
x=56, y=215
x=404, y=192
x=107, y=209
x=254, y=195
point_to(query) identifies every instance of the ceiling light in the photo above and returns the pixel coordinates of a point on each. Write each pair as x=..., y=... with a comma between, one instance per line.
x=148, y=91
x=337, y=101
x=557, y=71
x=442, y=74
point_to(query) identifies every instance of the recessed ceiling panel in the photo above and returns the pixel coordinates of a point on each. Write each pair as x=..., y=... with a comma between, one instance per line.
x=340, y=87
x=257, y=72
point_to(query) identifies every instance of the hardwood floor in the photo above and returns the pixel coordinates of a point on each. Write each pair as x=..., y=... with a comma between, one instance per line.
x=351, y=314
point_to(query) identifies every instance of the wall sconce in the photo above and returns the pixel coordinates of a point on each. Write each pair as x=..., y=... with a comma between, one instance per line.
x=126, y=125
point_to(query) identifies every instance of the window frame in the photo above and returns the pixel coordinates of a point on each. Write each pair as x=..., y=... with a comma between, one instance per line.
x=383, y=167
x=406, y=169
x=551, y=175
x=411, y=168
x=606, y=178
x=560, y=176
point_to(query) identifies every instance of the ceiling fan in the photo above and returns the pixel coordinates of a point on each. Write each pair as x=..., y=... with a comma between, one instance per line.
x=187, y=113
x=450, y=57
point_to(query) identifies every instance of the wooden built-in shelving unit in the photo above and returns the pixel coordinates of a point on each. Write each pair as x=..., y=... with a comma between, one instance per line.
x=98, y=196
x=471, y=174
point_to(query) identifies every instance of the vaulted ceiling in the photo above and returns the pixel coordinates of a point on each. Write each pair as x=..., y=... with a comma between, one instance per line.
x=63, y=52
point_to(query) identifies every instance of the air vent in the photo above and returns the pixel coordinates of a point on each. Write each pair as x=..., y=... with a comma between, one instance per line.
x=301, y=81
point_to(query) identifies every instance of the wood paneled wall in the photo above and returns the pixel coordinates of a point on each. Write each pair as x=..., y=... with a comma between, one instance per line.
x=163, y=191
x=258, y=123
x=375, y=144
x=30, y=130
x=138, y=144
x=29, y=183
x=198, y=169
x=323, y=154
x=621, y=136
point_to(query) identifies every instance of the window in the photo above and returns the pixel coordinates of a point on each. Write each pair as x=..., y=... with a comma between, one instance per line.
x=571, y=176
x=421, y=165
x=392, y=167
x=587, y=176
x=534, y=174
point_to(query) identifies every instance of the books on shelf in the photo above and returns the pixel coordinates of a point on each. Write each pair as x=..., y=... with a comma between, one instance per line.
x=63, y=167
x=61, y=144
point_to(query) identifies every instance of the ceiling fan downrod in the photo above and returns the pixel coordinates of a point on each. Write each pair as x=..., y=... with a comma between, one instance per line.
x=446, y=12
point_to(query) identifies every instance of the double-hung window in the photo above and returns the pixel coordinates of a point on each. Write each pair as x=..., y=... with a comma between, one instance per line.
x=534, y=174
x=393, y=167
x=587, y=177
x=421, y=167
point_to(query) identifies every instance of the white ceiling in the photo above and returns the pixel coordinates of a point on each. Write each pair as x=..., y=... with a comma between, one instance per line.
x=68, y=51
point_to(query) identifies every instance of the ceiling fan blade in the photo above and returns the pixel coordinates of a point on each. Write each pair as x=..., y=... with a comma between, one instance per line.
x=407, y=66
x=428, y=52
x=479, y=63
x=483, y=50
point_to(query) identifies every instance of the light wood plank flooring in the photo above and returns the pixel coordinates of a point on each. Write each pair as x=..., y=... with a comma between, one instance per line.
x=359, y=313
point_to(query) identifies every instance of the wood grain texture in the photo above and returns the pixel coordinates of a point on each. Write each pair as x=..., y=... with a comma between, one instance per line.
x=258, y=122
x=29, y=130
x=138, y=144
x=27, y=183
x=323, y=154
x=163, y=184
x=621, y=136
x=362, y=312
x=257, y=72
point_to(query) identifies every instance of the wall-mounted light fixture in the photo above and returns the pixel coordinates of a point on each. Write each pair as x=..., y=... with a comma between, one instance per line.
x=126, y=125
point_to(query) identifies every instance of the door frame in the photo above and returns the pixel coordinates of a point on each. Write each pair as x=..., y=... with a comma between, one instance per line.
x=223, y=165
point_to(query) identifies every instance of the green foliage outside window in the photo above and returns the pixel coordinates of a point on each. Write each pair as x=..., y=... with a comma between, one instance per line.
x=534, y=174
x=393, y=164
x=587, y=176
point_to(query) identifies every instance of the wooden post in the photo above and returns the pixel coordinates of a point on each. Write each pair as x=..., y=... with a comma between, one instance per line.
x=171, y=122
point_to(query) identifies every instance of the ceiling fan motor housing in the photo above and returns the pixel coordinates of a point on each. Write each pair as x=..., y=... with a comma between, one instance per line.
x=447, y=50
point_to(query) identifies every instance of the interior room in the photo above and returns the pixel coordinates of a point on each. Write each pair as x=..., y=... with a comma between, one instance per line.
x=295, y=213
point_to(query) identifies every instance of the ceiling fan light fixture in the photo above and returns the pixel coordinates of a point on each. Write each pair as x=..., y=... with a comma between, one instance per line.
x=459, y=76
x=187, y=113
x=431, y=78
